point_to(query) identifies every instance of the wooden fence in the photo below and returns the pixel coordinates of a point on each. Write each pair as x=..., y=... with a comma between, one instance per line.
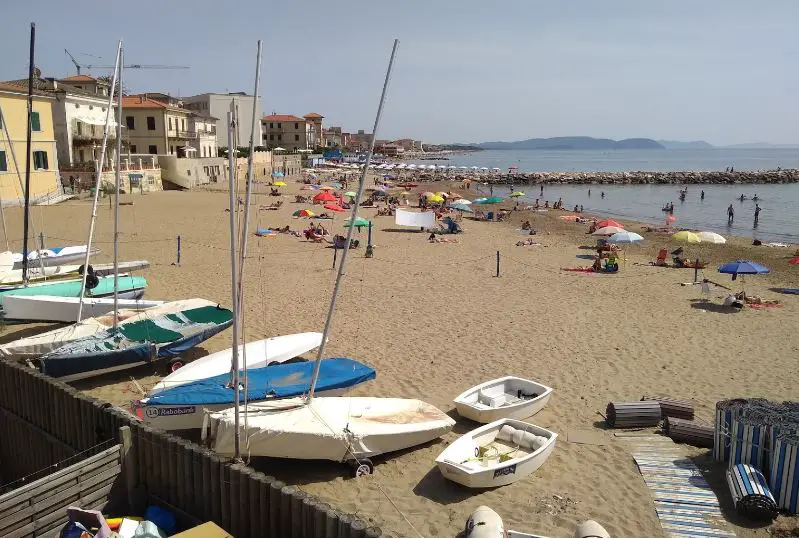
x=168, y=470
x=39, y=508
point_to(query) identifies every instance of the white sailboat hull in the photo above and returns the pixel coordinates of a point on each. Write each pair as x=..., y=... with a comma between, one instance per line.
x=336, y=429
x=67, y=255
x=35, y=346
x=65, y=309
x=190, y=417
x=505, y=397
x=257, y=354
x=505, y=459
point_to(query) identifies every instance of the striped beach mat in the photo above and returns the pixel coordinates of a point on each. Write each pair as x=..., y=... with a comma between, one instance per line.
x=685, y=503
x=750, y=492
x=784, y=472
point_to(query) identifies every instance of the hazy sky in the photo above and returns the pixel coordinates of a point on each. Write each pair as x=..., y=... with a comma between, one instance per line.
x=467, y=70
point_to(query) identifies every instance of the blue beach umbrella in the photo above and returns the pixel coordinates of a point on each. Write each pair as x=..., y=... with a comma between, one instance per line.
x=277, y=174
x=463, y=208
x=743, y=267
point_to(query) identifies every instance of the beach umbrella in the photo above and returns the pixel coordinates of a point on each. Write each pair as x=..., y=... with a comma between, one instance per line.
x=794, y=260
x=277, y=174
x=609, y=222
x=351, y=194
x=279, y=149
x=334, y=207
x=326, y=188
x=625, y=237
x=687, y=237
x=712, y=238
x=324, y=196
x=359, y=222
x=516, y=194
x=436, y=199
x=405, y=193
x=303, y=213
x=489, y=200
x=609, y=230
x=743, y=267
x=464, y=201
x=463, y=208
x=279, y=184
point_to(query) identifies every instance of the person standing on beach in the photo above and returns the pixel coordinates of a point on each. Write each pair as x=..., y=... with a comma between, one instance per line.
x=702, y=196
x=730, y=214
x=757, y=214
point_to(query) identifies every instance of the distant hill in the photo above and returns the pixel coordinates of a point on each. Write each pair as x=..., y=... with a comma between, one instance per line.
x=676, y=144
x=760, y=145
x=573, y=143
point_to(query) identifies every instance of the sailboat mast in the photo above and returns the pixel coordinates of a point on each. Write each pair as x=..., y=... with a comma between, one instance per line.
x=246, y=228
x=98, y=172
x=118, y=161
x=233, y=287
x=28, y=154
x=353, y=216
x=2, y=211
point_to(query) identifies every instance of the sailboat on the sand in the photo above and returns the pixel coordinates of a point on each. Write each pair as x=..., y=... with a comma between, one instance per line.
x=348, y=429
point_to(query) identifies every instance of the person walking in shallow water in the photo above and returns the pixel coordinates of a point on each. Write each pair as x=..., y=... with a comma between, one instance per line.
x=757, y=214
x=730, y=214
x=702, y=196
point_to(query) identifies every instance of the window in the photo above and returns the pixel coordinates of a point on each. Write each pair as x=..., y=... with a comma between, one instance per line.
x=217, y=169
x=3, y=162
x=279, y=126
x=188, y=172
x=183, y=124
x=36, y=124
x=77, y=105
x=40, y=160
x=296, y=125
x=171, y=149
x=79, y=127
x=271, y=126
x=130, y=123
x=151, y=123
x=296, y=138
x=133, y=148
x=80, y=156
x=279, y=138
x=170, y=124
x=271, y=137
x=152, y=150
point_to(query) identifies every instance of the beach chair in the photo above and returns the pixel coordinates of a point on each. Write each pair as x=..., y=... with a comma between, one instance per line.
x=490, y=216
x=339, y=241
x=662, y=255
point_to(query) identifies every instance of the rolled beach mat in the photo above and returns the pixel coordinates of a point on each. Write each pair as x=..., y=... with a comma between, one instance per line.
x=688, y=431
x=484, y=523
x=590, y=529
x=632, y=414
x=672, y=407
x=750, y=493
x=784, y=472
x=748, y=438
x=725, y=411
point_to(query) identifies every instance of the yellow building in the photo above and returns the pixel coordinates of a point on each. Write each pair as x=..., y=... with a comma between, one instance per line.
x=44, y=159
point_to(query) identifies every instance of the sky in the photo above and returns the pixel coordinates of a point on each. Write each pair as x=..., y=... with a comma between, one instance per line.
x=466, y=70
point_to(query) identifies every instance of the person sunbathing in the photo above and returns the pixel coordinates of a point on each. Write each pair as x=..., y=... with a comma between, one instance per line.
x=526, y=243
x=437, y=239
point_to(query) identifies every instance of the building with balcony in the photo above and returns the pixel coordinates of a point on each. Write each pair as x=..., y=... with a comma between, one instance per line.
x=156, y=128
x=44, y=158
x=292, y=132
x=331, y=137
x=217, y=105
x=205, y=144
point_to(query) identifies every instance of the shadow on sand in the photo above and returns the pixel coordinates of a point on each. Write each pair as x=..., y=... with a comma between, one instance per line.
x=708, y=306
x=10, y=334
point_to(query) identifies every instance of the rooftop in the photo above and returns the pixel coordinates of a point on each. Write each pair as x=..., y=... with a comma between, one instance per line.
x=144, y=101
x=281, y=117
x=313, y=116
x=79, y=78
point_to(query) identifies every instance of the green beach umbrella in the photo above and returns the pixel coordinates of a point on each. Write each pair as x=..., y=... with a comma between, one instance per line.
x=360, y=221
x=351, y=194
x=489, y=200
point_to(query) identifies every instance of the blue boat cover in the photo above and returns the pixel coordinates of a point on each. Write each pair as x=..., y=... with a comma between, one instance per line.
x=278, y=381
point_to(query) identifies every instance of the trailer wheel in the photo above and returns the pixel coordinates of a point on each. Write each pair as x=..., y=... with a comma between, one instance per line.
x=361, y=467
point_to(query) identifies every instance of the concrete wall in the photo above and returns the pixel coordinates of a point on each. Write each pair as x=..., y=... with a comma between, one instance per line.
x=138, y=175
x=15, y=114
x=190, y=173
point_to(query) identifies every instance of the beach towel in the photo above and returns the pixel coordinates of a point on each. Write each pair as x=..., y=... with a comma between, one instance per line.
x=577, y=269
x=764, y=305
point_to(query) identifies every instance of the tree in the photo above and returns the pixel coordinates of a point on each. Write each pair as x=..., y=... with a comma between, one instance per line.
x=107, y=79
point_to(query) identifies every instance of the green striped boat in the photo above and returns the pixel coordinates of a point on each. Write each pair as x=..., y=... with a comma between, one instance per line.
x=130, y=287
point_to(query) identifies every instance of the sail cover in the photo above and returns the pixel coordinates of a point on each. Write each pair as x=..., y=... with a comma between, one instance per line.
x=426, y=219
x=278, y=381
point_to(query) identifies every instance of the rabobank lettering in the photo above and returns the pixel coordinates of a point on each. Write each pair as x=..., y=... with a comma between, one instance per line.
x=173, y=411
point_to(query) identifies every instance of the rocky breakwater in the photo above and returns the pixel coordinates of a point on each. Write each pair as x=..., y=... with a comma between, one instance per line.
x=652, y=178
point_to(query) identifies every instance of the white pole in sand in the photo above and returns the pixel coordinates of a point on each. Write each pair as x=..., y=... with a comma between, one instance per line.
x=351, y=227
x=233, y=288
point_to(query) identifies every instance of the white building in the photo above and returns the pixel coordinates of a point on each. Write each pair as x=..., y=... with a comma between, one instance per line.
x=205, y=128
x=217, y=106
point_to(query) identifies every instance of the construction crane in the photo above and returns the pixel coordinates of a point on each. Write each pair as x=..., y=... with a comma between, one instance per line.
x=131, y=66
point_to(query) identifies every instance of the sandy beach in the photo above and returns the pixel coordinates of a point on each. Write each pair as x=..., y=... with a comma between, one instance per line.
x=434, y=320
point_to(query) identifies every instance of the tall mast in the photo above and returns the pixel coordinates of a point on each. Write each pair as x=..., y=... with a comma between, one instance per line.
x=28, y=156
x=233, y=288
x=98, y=172
x=2, y=211
x=353, y=216
x=118, y=161
x=245, y=228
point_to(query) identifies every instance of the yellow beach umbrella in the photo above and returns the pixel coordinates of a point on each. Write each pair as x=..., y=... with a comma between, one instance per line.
x=687, y=237
x=436, y=199
x=405, y=193
x=279, y=183
x=516, y=194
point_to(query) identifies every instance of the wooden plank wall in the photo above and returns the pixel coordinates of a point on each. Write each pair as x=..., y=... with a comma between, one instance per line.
x=168, y=469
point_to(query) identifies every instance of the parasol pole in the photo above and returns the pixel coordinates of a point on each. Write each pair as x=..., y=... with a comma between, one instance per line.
x=353, y=216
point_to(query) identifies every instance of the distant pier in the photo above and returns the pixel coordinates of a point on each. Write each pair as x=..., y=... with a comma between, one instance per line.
x=647, y=178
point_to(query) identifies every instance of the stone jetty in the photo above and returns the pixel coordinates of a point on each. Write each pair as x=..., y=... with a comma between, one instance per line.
x=648, y=178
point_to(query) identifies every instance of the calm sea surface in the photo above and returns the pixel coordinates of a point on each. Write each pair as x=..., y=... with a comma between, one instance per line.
x=779, y=218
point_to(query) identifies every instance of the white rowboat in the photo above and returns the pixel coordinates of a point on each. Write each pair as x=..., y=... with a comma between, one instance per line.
x=54, y=308
x=496, y=454
x=506, y=397
x=258, y=354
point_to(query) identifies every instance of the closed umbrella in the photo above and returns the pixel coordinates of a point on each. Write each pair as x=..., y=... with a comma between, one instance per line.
x=608, y=222
x=609, y=230
x=687, y=237
x=712, y=238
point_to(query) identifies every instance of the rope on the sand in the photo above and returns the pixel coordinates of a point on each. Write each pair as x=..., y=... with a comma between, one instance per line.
x=764, y=434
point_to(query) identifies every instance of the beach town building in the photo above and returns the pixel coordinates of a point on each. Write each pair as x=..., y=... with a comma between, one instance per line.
x=292, y=132
x=356, y=141
x=79, y=115
x=157, y=128
x=390, y=149
x=331, y=137
x=217, y=105
x=44, y=158
x=408, y=144
x=205, y=144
